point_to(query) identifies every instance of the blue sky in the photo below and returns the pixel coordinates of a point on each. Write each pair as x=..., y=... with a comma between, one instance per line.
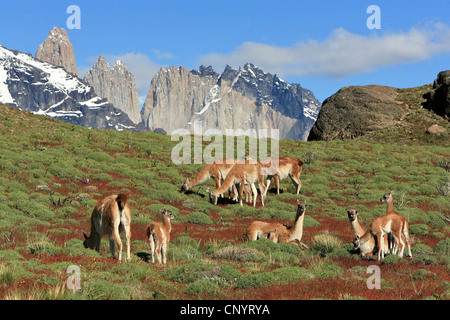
x=323, y=45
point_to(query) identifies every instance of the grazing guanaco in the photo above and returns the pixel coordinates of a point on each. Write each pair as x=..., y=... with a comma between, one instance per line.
x=111, y=215
x=159, y=236
x=390, y=223
x=244, y=174
x=218, y=170
x=285, y=166
x=278, y=232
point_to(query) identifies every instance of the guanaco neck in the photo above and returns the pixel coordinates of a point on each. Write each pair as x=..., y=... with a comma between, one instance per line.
x=390, y=205
x=297, y=229
x=357, y=227
x=166, y=223
x=200, y=178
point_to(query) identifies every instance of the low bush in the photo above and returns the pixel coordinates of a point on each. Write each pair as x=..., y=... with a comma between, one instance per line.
x=198, y=218
x=201, y=287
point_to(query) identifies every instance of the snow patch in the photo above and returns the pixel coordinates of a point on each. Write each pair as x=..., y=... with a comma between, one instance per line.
x=213, y=92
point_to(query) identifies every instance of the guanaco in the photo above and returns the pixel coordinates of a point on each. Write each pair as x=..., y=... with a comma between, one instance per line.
x=278, y=232
x=390, y=223
x=288, y=166
x=389, y=199
x=243, y=174
x=368, y=248
x=159, y=236
x=284, y=167
x=111, y=215
x=218, y=170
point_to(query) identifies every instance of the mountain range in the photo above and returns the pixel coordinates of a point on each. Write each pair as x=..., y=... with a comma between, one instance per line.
x=246, y=98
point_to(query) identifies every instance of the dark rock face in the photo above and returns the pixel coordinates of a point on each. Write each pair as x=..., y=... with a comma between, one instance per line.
x=438, y=100
x=355, y=111
x=43, y=88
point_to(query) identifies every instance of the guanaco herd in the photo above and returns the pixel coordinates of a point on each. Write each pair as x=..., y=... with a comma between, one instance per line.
x=112, y=214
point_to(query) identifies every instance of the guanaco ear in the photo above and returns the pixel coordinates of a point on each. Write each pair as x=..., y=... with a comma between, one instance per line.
x=85, y=236
x=392, y=192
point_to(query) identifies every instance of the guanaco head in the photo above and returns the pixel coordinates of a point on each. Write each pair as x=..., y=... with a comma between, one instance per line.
x=212, y=197
x=184, y=186
x=356, y=242
x=387, y=197
x=352, y=214
x=88, y=241
x=301, y=206
x=166, y=214
x=272, y=235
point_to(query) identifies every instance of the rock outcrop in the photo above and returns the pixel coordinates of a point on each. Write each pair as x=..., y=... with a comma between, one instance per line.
x=438, y=100
x=57, y=50
x=117, y=85
x=247, y=98
x=43, y=88
x=357, y=110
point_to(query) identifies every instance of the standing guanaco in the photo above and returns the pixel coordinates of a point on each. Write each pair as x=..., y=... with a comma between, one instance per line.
x=159, y=236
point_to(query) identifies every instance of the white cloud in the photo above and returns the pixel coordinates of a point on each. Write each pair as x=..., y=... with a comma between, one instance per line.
x=342, y=54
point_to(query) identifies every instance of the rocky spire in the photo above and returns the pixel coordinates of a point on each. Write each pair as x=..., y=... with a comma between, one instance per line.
x=57, y=50
x=116, y=84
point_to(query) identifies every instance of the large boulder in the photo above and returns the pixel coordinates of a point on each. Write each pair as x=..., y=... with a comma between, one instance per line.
x=438, y=99
x=357, y=110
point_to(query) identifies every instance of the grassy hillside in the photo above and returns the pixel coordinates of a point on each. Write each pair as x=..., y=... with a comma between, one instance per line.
x=53, y=173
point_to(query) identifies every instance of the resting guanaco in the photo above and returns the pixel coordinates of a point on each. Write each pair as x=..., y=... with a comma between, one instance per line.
x=278, y=232
x=367, y=249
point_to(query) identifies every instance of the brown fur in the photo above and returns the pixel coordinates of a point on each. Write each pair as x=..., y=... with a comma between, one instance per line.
x=218, y=170
x=111, y=215
x=278, y=232
x=370, y=247
x=391, y=223
x=291, y=167
x=159, y=236
x=242, y=174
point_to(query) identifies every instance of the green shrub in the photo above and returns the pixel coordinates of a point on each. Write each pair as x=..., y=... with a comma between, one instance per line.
x=443, y=247
x=100, y=156
x=189, y=272
x=279, y=276
x=237, y=253
x=324, y=244
x=253, y=280
x=198, y=218
x=324, y=269
x=99, y=289
x=201, y=287
x=420, y=229
x=102, y=177
x=390, y=259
